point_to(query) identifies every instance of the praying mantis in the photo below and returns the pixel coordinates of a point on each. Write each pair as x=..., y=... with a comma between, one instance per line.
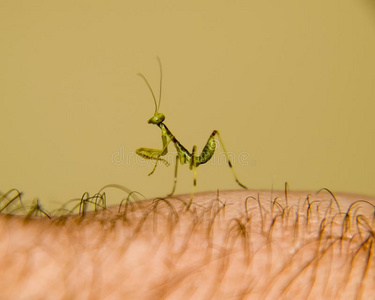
x=183, y=155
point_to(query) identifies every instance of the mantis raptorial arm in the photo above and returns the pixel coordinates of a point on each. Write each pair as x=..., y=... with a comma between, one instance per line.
x=155, y=154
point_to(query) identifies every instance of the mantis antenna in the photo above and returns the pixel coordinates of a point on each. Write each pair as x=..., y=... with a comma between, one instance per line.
x=157, y=106
x=161, y=80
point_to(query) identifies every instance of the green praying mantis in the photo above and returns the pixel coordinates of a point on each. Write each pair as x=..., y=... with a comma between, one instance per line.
x=183, y=155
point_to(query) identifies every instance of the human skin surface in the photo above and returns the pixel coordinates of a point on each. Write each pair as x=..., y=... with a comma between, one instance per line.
x=218, y=245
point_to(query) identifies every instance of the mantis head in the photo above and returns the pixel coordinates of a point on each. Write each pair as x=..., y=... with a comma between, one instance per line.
x=158, y=117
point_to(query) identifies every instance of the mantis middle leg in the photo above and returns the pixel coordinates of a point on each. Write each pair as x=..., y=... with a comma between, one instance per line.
x=175, y=177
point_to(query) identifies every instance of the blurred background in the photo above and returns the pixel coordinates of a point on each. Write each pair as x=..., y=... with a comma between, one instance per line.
x=289, y=84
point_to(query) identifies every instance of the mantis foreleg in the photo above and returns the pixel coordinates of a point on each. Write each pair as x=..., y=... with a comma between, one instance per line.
x=155, y=154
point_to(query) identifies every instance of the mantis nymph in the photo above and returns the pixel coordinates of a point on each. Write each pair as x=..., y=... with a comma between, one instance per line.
x=183, y=155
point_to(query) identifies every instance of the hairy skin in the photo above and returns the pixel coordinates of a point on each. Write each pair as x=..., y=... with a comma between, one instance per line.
x=227, y=245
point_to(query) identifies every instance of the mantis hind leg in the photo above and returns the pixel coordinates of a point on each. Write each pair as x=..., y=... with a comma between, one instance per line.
x=209, y=150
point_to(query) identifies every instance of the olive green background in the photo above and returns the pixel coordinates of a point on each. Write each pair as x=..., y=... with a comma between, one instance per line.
x=289, y=84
